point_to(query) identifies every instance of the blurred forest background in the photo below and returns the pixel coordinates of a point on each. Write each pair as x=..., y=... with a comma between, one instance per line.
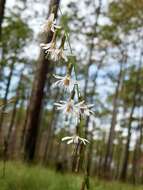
x=107, y=40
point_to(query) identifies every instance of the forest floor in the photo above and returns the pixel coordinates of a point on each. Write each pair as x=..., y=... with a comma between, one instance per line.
x=21, y=177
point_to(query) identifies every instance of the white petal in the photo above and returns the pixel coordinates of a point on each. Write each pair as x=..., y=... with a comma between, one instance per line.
x=84, y=141
x=57, y=104
x=63, y=102
x=58, y=77
x=42, y=44
x=58, y=83
x=87, y=112
x=61, y=108
x=66, y=138
x=90, y=105
x=70, y=141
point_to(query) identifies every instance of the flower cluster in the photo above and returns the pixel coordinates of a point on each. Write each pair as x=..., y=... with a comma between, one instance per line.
x=56, y=53
x=69, y=108
x=65, y=82
x=75, y=109
x=75, y=140
x=50, y=24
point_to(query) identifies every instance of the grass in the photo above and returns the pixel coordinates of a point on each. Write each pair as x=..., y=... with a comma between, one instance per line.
x=21, y=177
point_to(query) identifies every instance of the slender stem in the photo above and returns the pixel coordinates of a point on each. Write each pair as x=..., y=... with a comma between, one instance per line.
x=66, y=34
x=73, y=65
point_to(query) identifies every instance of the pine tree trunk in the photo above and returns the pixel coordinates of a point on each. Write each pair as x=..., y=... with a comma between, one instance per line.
x=15, y=147
x=2, y=10
x=109, y=150
x=6, y=94
x=10, y=128
x=135, y=178
x=37, y=95
x=118, y=162
x=123, y=174
x=134, y=163
x=126, y=153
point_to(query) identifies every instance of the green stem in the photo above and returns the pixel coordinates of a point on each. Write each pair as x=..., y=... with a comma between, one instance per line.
x=73, y=65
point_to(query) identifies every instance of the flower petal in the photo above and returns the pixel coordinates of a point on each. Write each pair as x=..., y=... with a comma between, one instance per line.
x=70, y=141
x=66, y=138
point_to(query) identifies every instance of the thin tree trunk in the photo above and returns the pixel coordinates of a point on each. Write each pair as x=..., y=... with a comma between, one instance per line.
x=50, y=140
x=16, y=148
x=91, y=49
x=50, y=132
x=2, y=10
x=137, y=152
x=6, y=94
x=126, y=153
x=134, y=163
x=123, y=174
x=24, y=125
x=10, y=128
x=37, y=95
x=118, y=159
x=109, y=150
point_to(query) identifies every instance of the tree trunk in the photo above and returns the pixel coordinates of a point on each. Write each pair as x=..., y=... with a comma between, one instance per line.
x=135, y=177
x=15, y=147
x=48, y=152
x=6, y=94
x=134, y=163
x=91, y=48
x=37, y=95
x=123, y=174
x=109, y=150
x=126, y=153
x=10, y=128
x=2, y=9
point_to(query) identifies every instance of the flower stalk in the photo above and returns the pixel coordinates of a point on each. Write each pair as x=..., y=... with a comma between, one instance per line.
x=69, y=108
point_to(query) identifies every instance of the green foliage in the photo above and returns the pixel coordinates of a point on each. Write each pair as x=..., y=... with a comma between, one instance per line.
x=127, y=91
x=22, y=177
x=127, y=14
x=109, y=32
x=16, y=34
x=64, y=22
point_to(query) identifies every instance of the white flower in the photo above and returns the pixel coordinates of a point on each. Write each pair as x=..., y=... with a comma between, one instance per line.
x=84, y=109
x=48, y=47
x=65, y=81
x=69, y=110
x=50, y=24
x=56, y=54
x=73, y=110
x=61, y=55
x=75, y=140
x=67, y=107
